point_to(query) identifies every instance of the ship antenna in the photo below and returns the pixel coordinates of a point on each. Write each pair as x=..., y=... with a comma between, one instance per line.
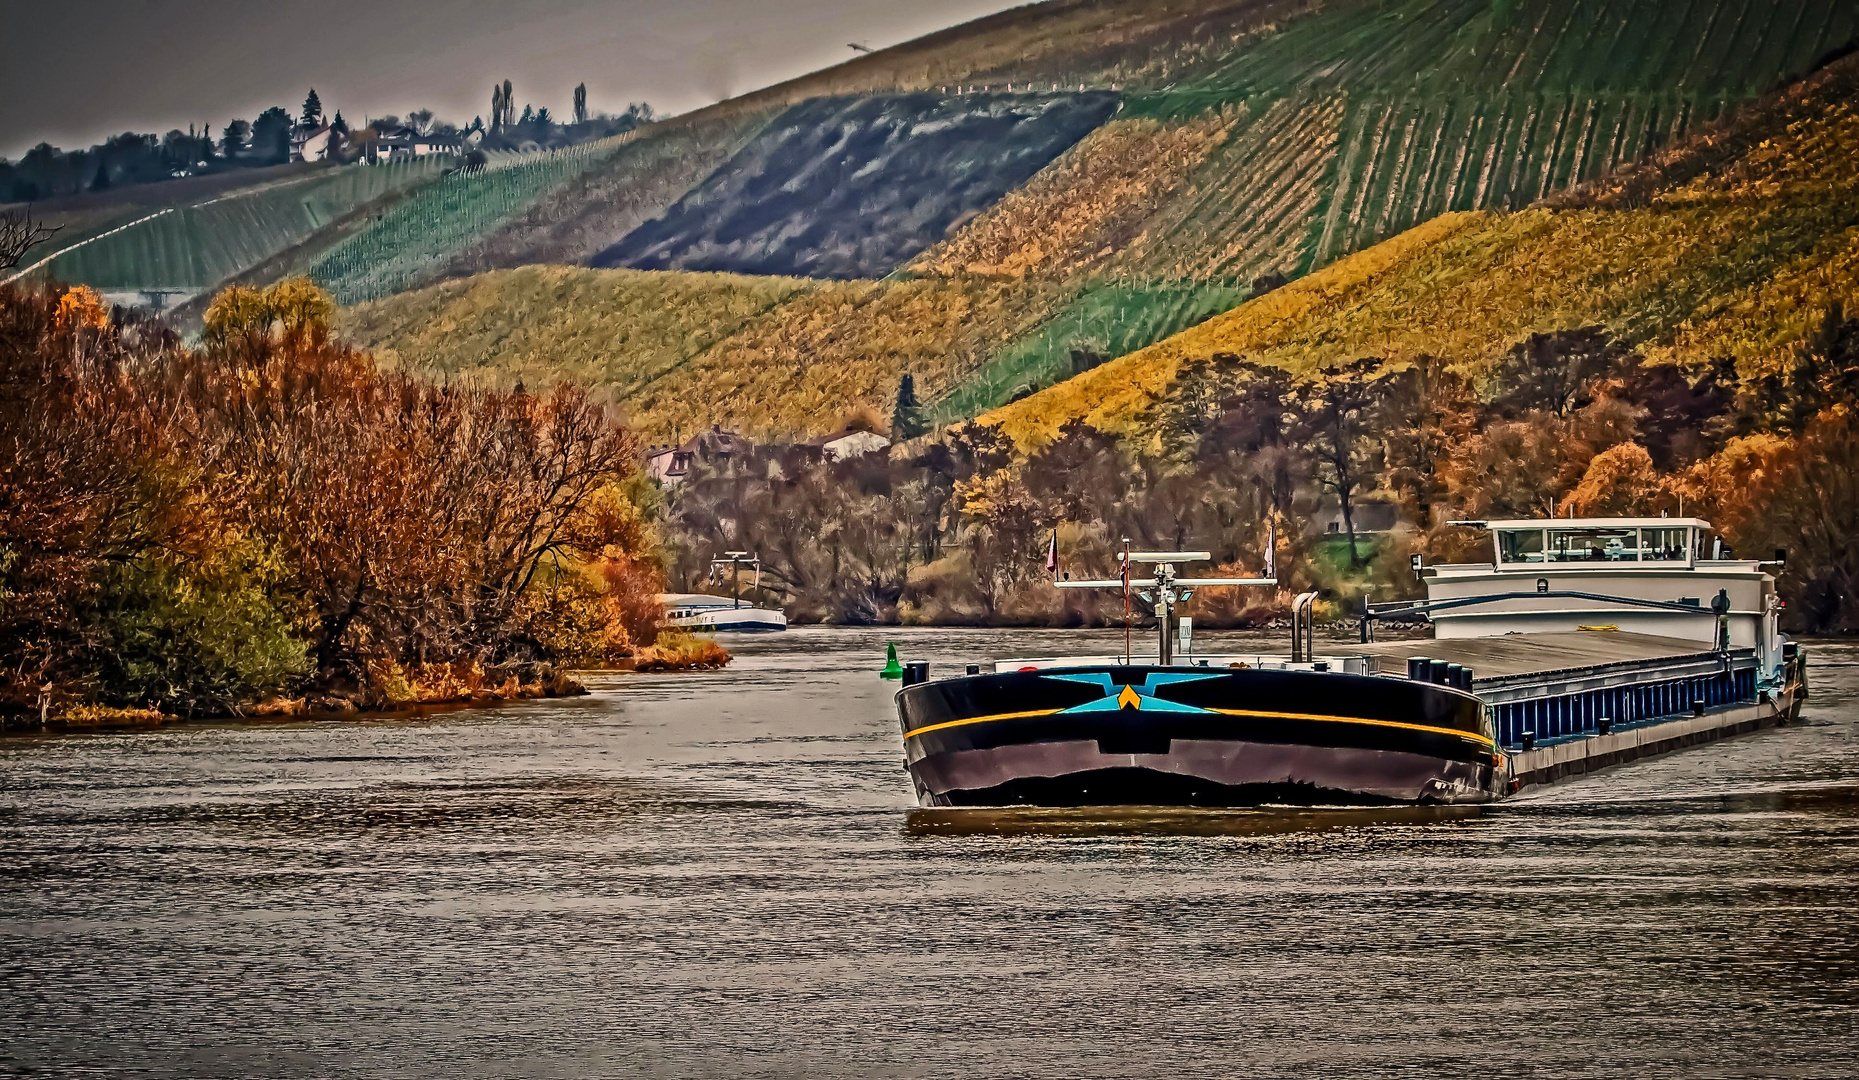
x=1126, y=600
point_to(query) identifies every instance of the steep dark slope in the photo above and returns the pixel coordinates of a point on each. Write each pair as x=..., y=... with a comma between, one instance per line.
x=852, y=187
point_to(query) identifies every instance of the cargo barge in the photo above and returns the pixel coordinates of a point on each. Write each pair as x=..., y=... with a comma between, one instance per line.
x=1584, y=643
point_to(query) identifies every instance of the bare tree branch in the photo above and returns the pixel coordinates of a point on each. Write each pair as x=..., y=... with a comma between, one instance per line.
x=20, y=232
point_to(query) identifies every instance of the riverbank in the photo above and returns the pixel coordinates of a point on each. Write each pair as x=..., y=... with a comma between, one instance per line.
x=393, y=689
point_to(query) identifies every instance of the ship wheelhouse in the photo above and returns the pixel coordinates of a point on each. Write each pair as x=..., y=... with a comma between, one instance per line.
x=1665, y=577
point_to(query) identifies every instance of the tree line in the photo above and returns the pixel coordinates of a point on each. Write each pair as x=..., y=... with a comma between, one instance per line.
x=954, y=526
x=46, y=172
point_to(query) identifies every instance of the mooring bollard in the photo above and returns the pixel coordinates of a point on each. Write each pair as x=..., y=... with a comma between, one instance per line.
x=1604, y=726
x=916, y=671
x=1697, y=706
x=1529, y=740
x=973, y=669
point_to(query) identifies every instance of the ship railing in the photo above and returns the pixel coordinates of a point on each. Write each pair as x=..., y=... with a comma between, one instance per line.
x=1603, y=710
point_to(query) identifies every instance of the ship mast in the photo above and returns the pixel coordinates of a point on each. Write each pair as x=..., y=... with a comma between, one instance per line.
x=1166, y=589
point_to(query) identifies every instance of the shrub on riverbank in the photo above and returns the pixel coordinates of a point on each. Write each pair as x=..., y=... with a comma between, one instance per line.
x=196, y=530
x=675, y=650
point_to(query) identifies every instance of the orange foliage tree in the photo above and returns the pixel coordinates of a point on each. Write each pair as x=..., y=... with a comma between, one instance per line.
x=351, y=517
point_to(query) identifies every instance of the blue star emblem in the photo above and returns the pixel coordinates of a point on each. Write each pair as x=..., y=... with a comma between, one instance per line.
x=1139, y=696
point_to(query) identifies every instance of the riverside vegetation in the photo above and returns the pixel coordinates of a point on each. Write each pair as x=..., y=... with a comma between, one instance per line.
x=270, y=523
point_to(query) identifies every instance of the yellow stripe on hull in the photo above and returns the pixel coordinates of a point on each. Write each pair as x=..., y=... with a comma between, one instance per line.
x=1319, y=717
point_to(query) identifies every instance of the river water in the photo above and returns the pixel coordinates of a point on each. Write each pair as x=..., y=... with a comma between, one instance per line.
x=721, y=874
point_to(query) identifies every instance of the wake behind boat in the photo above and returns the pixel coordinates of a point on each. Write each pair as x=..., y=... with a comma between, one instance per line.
x=1583, y=644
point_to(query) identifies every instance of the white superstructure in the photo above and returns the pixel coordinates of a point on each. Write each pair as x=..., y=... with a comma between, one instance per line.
x=1652, y=576
x=700, y=611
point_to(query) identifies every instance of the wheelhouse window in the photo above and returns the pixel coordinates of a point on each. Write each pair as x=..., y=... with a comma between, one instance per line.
x=1593, y=545
x=1665, y=544
x=1520, y=546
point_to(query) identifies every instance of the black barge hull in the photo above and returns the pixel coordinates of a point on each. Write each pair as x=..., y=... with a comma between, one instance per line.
x=1145, y=735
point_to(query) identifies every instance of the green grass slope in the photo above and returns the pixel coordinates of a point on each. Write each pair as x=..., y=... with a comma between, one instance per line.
x=194, y=244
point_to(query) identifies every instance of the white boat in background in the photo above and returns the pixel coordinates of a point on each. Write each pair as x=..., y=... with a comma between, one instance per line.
x=717, y=614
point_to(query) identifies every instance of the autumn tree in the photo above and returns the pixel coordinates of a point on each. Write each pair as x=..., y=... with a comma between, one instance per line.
x=1620, y=481
x=1424, y=412
x=1333, y=416
x=1553, y=372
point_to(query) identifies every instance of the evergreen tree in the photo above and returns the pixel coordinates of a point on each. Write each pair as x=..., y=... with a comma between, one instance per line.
x=580, y=104
x=509, y=104
x=339, y=125
x=232, y=138
x=907, y=418
x=101, y=181
x=496, y=106
x=271, y=135
x=312, y=110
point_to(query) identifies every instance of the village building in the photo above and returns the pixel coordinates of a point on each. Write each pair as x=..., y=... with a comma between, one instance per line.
x=401, y=143
x=848, y=442
x=669, y=464
x=311, y=144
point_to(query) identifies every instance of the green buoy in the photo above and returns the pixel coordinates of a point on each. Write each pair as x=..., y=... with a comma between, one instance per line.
x=892, y=669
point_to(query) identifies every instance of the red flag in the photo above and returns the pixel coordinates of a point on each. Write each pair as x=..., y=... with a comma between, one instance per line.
x=1052, y=554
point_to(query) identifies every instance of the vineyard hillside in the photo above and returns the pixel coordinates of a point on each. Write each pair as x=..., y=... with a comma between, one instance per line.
x=1731, y=245
x=617, y=329
x=1362, y=119
x=1254, y=144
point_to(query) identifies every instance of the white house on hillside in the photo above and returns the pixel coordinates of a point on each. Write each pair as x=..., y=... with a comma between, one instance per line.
x=310, y=144
x=848, y=443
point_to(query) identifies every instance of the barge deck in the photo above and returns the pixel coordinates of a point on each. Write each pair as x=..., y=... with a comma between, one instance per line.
x=1564, y=704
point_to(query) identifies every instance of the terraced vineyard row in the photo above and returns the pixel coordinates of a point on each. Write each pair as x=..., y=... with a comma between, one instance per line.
x=197, y=246
x=1740, y=47
x=1406, y=159
x=421, y=234
x=1084, y=206
x=1249, y=208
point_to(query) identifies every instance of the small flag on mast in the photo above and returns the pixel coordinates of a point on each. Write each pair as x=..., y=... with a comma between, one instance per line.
x=1052, y=554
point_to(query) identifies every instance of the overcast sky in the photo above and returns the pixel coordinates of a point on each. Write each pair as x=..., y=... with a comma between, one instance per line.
x=74, y=72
